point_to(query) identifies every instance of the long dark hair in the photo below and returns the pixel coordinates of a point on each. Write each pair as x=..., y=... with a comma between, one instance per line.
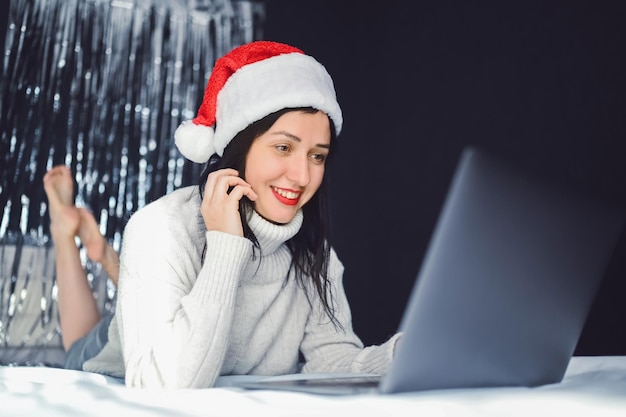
x=310, y=247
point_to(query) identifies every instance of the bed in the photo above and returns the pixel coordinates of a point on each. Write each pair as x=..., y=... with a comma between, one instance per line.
x=592, y=386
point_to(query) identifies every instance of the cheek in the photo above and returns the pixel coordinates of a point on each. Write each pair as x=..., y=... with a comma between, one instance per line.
x=317, y=175
x=259, y=175
x=316, y=181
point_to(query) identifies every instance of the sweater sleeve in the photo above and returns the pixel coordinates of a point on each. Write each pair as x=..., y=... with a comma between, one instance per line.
x=174, y=312
x=336, y=348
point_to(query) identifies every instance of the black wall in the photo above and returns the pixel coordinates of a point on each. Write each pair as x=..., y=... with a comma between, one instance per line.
x=540, y=82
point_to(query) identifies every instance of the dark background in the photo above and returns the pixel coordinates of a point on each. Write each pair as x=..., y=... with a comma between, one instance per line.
x=540, y=82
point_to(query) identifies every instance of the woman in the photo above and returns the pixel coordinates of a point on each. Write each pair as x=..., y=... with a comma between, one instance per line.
x=237, y=275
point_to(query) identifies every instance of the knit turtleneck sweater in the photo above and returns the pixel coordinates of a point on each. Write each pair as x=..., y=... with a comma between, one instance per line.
x=194, y=304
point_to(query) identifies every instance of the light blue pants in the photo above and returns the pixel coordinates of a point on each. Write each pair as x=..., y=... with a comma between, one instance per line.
x=89, y=345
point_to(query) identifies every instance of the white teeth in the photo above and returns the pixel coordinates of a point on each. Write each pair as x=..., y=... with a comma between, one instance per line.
x=287, y=194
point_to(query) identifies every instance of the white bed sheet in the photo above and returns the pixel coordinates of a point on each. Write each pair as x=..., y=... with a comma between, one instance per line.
x=593, y=386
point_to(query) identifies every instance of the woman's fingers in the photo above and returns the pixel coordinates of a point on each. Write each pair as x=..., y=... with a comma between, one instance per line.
x=218, y=182
x=220, y=204
x=237, y=192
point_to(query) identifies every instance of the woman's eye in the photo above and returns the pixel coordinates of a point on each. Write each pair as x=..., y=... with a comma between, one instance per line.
x=318, y=157
x=282, y=148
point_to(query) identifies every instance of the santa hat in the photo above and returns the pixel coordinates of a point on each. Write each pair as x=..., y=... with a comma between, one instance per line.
x=247, y=84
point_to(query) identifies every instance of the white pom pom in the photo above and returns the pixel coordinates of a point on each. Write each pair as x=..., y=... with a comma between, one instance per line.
x=194, y=141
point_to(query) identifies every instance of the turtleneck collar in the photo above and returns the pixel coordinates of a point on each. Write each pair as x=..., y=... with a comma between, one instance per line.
x=271, y=235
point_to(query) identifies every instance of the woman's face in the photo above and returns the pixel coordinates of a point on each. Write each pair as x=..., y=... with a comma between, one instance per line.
x=285, y=165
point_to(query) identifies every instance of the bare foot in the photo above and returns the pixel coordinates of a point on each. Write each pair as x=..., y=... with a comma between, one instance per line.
x=59, y=187
x=90, y=236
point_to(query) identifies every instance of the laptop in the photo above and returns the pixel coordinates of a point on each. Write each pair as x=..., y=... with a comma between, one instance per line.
x=503, y=291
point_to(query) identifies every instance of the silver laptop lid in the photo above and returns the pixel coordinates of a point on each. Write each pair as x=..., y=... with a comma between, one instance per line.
x=506, y=284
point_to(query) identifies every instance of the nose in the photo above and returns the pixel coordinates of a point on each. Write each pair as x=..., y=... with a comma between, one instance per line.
x=298, y=170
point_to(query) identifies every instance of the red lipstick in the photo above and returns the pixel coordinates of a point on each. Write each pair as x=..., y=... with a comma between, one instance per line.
x=285, y=200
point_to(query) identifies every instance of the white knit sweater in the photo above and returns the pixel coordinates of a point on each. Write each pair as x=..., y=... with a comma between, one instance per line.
x=181, y=323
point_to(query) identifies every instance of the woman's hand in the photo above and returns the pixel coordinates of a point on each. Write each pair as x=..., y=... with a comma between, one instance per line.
x=220, y=208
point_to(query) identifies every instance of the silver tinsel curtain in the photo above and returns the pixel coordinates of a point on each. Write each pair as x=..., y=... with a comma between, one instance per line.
x=98, y=85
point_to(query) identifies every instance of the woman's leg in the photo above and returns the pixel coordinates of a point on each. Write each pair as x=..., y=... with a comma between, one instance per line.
x=78, y=311
x=98, y=249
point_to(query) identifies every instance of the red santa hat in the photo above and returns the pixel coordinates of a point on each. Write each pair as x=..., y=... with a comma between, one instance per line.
x=247, y=84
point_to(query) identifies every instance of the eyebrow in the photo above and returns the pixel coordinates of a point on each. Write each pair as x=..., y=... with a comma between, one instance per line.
x=297, y=139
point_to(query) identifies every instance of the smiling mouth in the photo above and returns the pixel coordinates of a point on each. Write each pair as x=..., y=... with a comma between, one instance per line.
x=287, y=197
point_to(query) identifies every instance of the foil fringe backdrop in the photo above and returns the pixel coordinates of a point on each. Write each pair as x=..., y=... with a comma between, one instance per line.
x=100, y=86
